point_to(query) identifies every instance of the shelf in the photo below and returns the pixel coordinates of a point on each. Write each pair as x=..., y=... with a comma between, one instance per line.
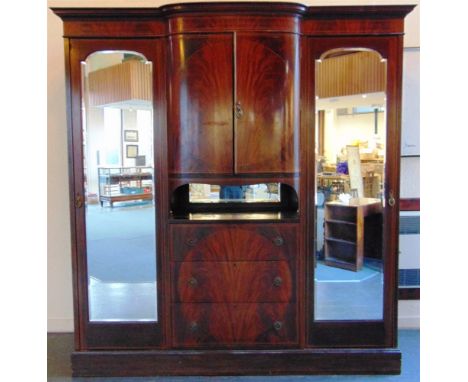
x=129, y=177
x=334, y=262
x=337, y=221
x=340, y=240
x=277, y=217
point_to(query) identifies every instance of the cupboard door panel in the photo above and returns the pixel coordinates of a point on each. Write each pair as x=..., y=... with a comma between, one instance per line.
x=229, y=325
x=200, y=125
x=243, y=281
x=266, y=110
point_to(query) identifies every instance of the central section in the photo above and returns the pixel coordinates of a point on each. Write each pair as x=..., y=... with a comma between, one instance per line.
x=234, y=154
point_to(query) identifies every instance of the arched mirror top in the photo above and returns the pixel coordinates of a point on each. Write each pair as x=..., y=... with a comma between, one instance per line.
x=353, y=74
x=118, y=78
x=346, y=51
x=113, y=55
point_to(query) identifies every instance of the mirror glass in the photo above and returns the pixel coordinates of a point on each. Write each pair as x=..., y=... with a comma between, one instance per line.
x=119, y=186
x=350, y=147
x=253, y=193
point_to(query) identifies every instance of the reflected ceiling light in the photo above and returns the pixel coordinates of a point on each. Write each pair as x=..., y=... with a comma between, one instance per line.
x=364, y=96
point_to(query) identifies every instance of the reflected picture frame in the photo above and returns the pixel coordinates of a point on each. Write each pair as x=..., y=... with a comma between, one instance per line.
x=131, y=135
x=132, y=151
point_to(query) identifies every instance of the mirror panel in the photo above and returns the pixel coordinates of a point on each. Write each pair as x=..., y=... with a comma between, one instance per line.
x=252, y=193
x=350, y=167
x=119, y=186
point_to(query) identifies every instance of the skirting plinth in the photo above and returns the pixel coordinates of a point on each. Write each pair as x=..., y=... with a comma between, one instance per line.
x=236, y=362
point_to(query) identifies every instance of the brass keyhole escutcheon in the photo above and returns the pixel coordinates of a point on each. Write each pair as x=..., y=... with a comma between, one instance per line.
x=391, y=200
x=193, y=282
x=79, y=201
x=238, y=110
x=277, y=281
x=193, y=326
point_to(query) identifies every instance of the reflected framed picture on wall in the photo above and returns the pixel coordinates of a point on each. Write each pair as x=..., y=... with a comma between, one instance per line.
x=132, y=151
x=131, y=135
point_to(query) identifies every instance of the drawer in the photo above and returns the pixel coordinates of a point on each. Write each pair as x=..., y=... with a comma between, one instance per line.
x=234, y=242
x=237, y=281
x=228, y=325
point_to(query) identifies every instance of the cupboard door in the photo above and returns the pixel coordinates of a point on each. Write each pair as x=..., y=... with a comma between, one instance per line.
x=266, y=109
x=200, y=114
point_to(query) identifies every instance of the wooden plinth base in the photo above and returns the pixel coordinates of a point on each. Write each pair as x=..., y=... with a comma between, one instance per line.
x=221, y=362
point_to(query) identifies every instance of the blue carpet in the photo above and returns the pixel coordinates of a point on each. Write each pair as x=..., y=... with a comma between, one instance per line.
x=121, y=243
x=327, y=273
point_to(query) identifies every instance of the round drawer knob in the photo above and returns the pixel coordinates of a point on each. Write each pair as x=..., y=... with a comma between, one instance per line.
x=193, y=326
x=278, y=325
x=278, y=241
x=191, y=241
x=192, y=282
x=277, y=281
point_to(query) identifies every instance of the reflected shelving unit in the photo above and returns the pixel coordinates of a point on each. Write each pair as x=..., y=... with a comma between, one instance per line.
x=121, y=184
x=351, y=232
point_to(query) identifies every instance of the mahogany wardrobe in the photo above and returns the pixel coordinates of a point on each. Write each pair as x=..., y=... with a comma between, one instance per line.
x=234, y=177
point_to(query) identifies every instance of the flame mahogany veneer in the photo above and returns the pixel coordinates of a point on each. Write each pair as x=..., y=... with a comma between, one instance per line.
x=233, y=99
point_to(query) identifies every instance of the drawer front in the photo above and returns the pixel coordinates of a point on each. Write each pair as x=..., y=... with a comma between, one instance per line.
x=255, y=281
x=231, y=325
x=234, y=242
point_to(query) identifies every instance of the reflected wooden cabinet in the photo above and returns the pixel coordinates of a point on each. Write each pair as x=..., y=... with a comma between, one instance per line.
x=231, y=93
x=234, y=99
x=352, y=232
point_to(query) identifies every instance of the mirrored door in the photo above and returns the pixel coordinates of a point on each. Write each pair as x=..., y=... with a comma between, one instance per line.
x=353, y=250
x=117, y=190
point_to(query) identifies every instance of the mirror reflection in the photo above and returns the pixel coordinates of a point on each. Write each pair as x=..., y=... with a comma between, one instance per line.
x=350, y=167
x=119, y=186
x=252, y=193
